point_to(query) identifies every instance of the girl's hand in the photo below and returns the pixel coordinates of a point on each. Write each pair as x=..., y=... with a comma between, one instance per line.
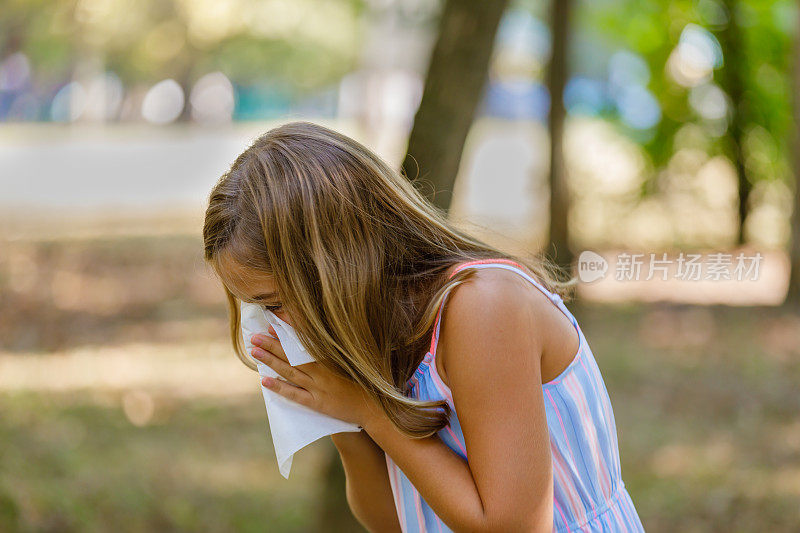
x=312, y=385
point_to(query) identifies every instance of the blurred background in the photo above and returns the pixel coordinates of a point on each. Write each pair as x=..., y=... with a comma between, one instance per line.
x=652, y=127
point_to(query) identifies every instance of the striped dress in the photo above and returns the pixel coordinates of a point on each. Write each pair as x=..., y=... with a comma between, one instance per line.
x=589, y=494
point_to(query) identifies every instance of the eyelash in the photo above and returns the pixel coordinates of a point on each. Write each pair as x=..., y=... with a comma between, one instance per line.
x=272, y=308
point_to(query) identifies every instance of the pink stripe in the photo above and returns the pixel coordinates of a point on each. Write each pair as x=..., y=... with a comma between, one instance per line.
x=619, y=518
x=558, y=414
x=435, y=336
x=505, y=262
x=401, y=512
x=444, y=391
x=598, y=392
x=391, y=479
x=485, y=261
x=608, y=521
x=438, y=523
x=458, y=442
x=585, y=423
x=566, y=439
x=625, y=507
x=420, y=517
x=415, y=382
x=437, y=380
x=400, y=497
x=447, y=427
x=564, y=482
x=613, y=503
x=611, y=427
x=563, y=518
x=574, y=386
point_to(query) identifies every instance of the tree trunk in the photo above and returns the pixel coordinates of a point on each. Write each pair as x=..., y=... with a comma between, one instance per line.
x=733, y=83
x=454, y=84
x=557, y=73
x=793, y=297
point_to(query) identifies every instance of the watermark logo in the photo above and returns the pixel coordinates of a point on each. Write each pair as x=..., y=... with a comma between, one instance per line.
x=684, y=267
x=591, y=266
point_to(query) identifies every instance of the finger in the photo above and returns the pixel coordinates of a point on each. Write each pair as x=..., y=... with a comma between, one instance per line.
x=269, y=344
x=283, y=368
x=289, y=391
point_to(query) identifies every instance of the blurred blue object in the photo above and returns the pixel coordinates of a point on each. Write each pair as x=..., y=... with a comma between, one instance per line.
x=585, y=96
x=516, y=100
x=260, y=102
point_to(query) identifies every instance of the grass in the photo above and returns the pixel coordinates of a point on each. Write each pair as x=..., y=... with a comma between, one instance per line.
x=71, y=463
x=706, y=404
x=171, y=433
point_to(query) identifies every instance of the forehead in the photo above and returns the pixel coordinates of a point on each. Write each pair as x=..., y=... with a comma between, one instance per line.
x=244, y=282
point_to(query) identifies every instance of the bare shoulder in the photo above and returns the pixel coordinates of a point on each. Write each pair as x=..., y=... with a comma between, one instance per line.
x=495, y=303
x=496, y=295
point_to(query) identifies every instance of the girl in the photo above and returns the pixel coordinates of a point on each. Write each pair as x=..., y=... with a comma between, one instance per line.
x=488, y=414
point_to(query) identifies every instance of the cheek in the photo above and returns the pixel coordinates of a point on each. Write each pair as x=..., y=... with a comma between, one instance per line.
x=285, y=317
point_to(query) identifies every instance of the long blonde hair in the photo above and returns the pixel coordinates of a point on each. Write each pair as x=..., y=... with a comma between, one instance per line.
x=357, y=255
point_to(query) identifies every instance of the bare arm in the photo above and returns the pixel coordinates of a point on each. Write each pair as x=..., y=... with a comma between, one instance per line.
x=368, y=490
x=495, y=376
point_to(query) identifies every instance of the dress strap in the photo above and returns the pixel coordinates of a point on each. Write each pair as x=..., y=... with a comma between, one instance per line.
x=503, y=263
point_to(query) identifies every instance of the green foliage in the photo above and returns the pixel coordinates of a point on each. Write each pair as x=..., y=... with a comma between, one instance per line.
x=651, y=28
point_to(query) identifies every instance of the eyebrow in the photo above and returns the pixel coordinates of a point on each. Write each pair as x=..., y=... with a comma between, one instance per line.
x=264, y=296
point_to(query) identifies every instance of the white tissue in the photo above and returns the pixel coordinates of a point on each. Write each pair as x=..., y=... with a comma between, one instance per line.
x=293, y=426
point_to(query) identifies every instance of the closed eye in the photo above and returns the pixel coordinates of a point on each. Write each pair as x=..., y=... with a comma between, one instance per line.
x=273, y=308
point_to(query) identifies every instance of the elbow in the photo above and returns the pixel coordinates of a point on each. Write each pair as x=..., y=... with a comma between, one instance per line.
x=518, y=525
x=524, y=521
x=366, y=515
x=355, y=507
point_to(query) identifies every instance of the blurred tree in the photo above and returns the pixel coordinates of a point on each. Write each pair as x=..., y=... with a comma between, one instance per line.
x=557, y=73
x=638, y=26
x=733, y=82
x=454, y=84
x=793, y=297
x=748, y=40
